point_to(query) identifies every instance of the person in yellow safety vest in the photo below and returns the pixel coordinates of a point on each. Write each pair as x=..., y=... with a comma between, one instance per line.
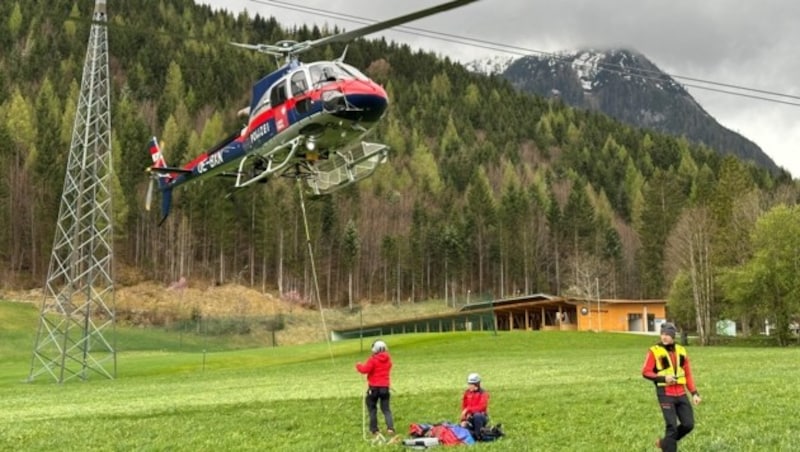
x=667, y=366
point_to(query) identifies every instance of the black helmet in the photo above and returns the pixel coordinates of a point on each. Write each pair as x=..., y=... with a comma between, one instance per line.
x=669, y=329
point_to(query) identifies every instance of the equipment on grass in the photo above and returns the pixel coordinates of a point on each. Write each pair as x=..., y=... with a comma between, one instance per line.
x=421, y=443
x=447, y=434
x=492, y=433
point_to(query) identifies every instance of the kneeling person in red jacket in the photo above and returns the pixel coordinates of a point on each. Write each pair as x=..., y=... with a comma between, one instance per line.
x=474, y=406
x=377, y=369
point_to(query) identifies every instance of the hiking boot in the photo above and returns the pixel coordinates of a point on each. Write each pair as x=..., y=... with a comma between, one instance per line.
x=390, y=432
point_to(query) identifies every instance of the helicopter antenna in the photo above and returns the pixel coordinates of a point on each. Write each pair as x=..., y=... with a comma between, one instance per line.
x=288, y=48
x=341, y=58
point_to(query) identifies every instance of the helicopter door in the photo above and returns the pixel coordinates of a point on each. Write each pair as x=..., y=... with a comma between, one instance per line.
x=299, y=86
x=278, y=94
x=277, y=97
x=299, y=83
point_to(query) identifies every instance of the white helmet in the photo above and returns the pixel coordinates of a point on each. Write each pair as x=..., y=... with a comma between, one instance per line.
x=378, y=346
x=474, y=379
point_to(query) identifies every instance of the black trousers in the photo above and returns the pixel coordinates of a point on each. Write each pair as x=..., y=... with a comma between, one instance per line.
x=377, y=394
x=678, y=418
x=476, y=422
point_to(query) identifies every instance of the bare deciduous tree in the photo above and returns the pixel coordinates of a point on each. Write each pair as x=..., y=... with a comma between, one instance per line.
x=689, y=250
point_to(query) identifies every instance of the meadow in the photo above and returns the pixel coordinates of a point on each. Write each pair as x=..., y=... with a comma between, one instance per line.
x=552, y=391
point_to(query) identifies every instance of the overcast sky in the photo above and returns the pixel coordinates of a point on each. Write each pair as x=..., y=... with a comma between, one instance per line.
x=745, y=43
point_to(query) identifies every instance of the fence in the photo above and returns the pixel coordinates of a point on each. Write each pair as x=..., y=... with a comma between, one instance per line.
x=482, y=321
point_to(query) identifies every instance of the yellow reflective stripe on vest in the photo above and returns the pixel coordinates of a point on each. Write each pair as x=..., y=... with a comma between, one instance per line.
x=660, y=354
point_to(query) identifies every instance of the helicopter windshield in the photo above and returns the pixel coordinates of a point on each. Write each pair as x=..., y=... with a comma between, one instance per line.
x=353, y=71
x=327, y=72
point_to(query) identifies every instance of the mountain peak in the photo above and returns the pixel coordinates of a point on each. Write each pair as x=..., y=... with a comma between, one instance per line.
x=625, y=85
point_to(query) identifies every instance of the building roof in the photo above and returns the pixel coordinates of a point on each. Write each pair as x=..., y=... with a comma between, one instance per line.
x=538, y=298
x=544, y=299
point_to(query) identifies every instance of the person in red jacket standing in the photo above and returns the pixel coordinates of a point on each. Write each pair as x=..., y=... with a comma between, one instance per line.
x=377, y=369
x=667, y=366
x=474, y=406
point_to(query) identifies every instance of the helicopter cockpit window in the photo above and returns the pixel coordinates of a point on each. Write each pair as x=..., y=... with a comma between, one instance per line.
x=278, y=94
x=299, y=83
x=327, y=72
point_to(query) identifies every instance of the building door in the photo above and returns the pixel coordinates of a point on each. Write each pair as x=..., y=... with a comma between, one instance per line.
x=635, y=322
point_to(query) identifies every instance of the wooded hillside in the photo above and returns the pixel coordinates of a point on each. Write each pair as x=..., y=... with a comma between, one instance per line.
x=488, y=191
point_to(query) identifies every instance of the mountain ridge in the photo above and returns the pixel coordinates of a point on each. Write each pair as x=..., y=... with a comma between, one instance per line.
x=627, y=86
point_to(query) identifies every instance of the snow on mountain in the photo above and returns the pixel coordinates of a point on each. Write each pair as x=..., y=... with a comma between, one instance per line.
x=586, y=67
x=493, y=65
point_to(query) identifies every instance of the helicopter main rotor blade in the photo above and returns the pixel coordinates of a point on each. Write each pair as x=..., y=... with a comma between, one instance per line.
x=357, y=33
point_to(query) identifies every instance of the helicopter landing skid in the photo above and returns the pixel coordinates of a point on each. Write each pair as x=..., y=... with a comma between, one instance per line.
x=341, y=168
x=268, y=163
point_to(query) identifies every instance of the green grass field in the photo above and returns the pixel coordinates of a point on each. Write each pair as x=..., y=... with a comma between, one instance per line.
x=552, y=391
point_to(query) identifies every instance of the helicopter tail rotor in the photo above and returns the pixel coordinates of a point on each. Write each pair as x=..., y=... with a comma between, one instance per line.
x=157, y=176
x=148, y=199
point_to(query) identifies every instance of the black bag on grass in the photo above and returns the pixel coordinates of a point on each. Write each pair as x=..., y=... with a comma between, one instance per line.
x=491, y=433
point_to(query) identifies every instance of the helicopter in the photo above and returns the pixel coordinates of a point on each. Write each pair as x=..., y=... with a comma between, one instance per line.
x=305, y=121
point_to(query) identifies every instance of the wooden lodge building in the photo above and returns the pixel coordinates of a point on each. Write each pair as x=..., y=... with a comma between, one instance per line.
x=530, y=313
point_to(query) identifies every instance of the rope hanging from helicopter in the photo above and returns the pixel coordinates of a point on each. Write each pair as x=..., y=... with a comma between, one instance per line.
x=314, y=269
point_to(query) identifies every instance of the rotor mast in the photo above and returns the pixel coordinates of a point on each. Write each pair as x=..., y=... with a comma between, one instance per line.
x=78, y=304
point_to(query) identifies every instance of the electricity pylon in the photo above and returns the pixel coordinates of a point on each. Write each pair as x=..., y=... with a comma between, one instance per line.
x=78, y=305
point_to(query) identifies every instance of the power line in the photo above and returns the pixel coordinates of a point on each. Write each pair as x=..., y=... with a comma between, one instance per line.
x=719, y=87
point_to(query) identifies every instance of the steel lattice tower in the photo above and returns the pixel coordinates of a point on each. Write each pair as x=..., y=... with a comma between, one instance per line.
x=78, y=306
